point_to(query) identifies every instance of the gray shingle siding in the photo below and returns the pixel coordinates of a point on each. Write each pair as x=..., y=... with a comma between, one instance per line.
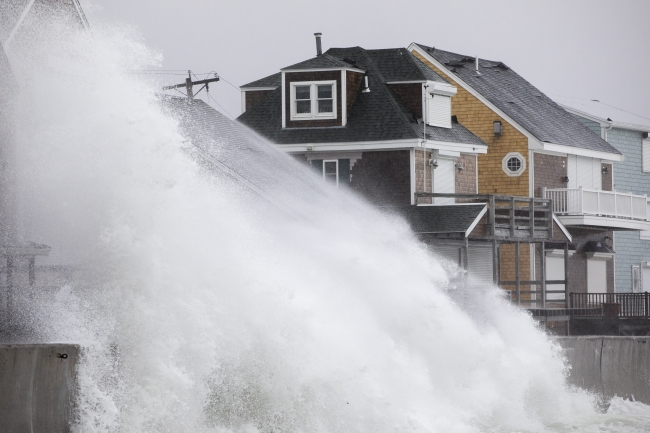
x=629, y=177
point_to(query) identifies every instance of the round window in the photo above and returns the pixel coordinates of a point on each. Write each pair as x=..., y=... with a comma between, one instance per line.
x=513, y=164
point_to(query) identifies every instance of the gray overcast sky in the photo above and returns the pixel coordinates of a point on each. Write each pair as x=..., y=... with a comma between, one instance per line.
x=590, y=49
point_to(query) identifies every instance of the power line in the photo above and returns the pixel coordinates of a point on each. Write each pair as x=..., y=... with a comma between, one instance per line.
x=215, y=101
x=600, y=102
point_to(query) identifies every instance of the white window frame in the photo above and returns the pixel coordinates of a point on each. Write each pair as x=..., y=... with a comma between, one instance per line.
x=636, y=278
x=337, y=169
x=314, y=115
x=645, y=155
x=504, y=164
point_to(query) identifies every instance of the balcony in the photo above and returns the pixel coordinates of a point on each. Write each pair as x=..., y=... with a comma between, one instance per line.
x=607, y=209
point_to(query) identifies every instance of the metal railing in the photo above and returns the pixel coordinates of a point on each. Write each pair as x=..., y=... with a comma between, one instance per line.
x=624, y=305
x=580, y=201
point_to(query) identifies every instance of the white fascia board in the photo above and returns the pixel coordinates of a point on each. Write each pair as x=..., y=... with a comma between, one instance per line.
x=324, y=69
x=257, y=89
x=381, y=145
x=476, y=221
x=470, y=89
x=570, y=150
x=563, y=229
x=456, y=147
x=444, y=89
x=407, y=82
x=284, y=102
x=600, y=221
x=243, y=102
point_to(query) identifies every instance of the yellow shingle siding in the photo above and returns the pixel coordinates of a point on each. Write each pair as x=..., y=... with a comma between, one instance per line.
x=479, y=118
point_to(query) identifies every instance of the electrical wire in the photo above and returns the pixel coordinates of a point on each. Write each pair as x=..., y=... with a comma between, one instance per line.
x=215, y=101
x=600, y=102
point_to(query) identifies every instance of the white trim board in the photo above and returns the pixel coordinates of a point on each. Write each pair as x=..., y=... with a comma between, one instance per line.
x=382, y=145
x=609, y=222
x=323, y=69
x=256, y=89
x=562, y=228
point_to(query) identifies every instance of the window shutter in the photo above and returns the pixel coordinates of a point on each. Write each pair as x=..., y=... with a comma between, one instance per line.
x=585, y=172
x=444, y=180
x=317, y=165
x=344, y=172
x=646, y=155
x=440, y=111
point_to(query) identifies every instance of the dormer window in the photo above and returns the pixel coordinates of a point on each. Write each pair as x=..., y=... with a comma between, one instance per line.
x=313, y=100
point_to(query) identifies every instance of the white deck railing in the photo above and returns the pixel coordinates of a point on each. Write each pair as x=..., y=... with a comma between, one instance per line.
x=579, y=201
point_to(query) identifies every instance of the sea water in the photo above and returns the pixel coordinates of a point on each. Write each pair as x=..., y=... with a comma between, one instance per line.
x=202, y=305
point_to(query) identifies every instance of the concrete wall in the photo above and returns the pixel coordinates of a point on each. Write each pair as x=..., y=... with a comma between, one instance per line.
x=37, y=387
x=610, y=365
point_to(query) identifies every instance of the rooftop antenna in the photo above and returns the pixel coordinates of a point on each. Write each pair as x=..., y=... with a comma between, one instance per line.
x=189, y=85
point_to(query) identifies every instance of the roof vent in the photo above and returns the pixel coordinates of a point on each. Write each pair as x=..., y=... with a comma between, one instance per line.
x=319, y=49
x=476, y=66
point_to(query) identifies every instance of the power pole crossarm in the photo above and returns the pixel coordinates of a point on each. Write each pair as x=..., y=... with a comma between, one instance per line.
x=189, y=85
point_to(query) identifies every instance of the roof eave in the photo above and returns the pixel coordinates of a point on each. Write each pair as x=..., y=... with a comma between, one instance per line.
x=333, y=68
x=571, y=150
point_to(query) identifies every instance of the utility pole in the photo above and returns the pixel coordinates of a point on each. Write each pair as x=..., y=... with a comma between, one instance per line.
x=189, y=85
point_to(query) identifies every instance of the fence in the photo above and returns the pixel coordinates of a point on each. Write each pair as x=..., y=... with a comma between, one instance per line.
x=579, y=201
x=626, y=305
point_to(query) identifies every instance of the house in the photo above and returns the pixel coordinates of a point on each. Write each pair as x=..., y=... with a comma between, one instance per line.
x=380, y=122
x=629, y=134
x=537, y=149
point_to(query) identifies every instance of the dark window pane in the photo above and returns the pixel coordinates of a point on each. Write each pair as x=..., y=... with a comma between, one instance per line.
x=514, y=164
x=325, y=106
x=302, y=92
x=325, y=92
x=303, y=107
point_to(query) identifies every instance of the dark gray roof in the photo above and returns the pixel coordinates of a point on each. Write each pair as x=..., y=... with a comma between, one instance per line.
x=11, y=11
x=523, y=102
x=398, y=64
x=323, y=61
x=441, y=219
x=375, y=116
x=237, y=151
x=271, y=81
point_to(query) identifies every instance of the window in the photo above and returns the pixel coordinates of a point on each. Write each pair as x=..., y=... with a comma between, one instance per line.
x=331, y=171
x=313, y=100
x=636, y=278
x=513, y=164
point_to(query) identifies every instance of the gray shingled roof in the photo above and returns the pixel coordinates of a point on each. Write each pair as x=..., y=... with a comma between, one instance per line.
x=523, y=102
x=441, y=219
x=11, y=11
x=398, y=64
x=235, y=150
x=375, y=116
x=274, y=80
x=323, y=61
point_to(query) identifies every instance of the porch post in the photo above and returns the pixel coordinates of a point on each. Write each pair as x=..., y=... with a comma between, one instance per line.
x=517, y=279
x=495, y=264
x=542, y=269
x=566, y=274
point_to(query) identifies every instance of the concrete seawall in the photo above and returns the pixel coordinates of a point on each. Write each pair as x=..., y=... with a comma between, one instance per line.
x=37, y=387
x=610, y=365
